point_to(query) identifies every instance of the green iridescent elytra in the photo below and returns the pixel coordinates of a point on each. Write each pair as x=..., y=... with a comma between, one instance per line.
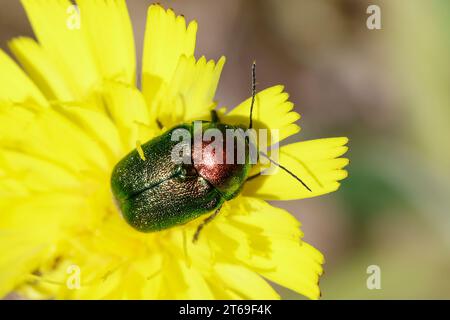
x=157, y=193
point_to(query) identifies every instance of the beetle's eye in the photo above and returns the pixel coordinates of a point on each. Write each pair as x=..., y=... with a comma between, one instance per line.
x=187, y=170
x=190, y=170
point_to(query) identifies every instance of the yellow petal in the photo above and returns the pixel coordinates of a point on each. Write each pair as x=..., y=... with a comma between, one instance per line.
x=55, y=23
x=232, y=242
x=26, y=246
x=49, y=135
x=196, y=83
x=18, y=259
x=54, y=210
x=190, y=94
x=98, y=126
x=15, y=86
x=255, y=287
x=283, y=257
x=271, y=110
x=316, y=162
x=128, y=110
x=107, y=26
x=197, y=287
x=298, y=267
x=30, y=170
x=166, y=39
x=257, y=212
x=42, y=69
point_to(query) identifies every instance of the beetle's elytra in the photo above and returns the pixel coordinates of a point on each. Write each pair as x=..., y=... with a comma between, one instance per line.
x=157, y=193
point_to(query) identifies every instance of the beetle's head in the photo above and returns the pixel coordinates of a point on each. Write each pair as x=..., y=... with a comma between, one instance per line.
x=223, y=156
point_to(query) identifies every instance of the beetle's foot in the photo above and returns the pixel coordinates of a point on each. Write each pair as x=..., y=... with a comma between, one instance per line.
x=214, y=116
x=205, y=222
x=159, y=124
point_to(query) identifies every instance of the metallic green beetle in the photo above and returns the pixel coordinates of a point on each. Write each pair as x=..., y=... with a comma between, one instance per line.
x=158, y=193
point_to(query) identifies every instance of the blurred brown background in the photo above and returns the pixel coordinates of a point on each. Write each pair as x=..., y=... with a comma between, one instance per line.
x=387, y=90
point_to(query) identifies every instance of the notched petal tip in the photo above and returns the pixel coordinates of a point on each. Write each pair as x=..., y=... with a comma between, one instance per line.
x=192, y=26
x=221, y=62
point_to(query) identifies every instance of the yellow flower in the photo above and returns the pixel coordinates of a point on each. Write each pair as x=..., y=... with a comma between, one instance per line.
x=73, y=110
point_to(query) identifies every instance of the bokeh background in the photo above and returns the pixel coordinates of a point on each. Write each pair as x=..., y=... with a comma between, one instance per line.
x=387, y=90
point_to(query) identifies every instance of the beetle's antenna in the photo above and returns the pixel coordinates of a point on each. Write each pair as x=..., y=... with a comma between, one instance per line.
x=285, y=169
x=253, y=94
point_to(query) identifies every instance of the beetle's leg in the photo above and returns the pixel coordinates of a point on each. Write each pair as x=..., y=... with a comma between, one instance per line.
x=205, y=222
x=214, y=116
x=253, y=176
x=158, y=122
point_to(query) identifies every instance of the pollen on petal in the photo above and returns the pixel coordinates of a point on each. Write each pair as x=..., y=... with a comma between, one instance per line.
x=139, y=150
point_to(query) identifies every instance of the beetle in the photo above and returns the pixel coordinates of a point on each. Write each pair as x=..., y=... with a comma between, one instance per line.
x=155, y=193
